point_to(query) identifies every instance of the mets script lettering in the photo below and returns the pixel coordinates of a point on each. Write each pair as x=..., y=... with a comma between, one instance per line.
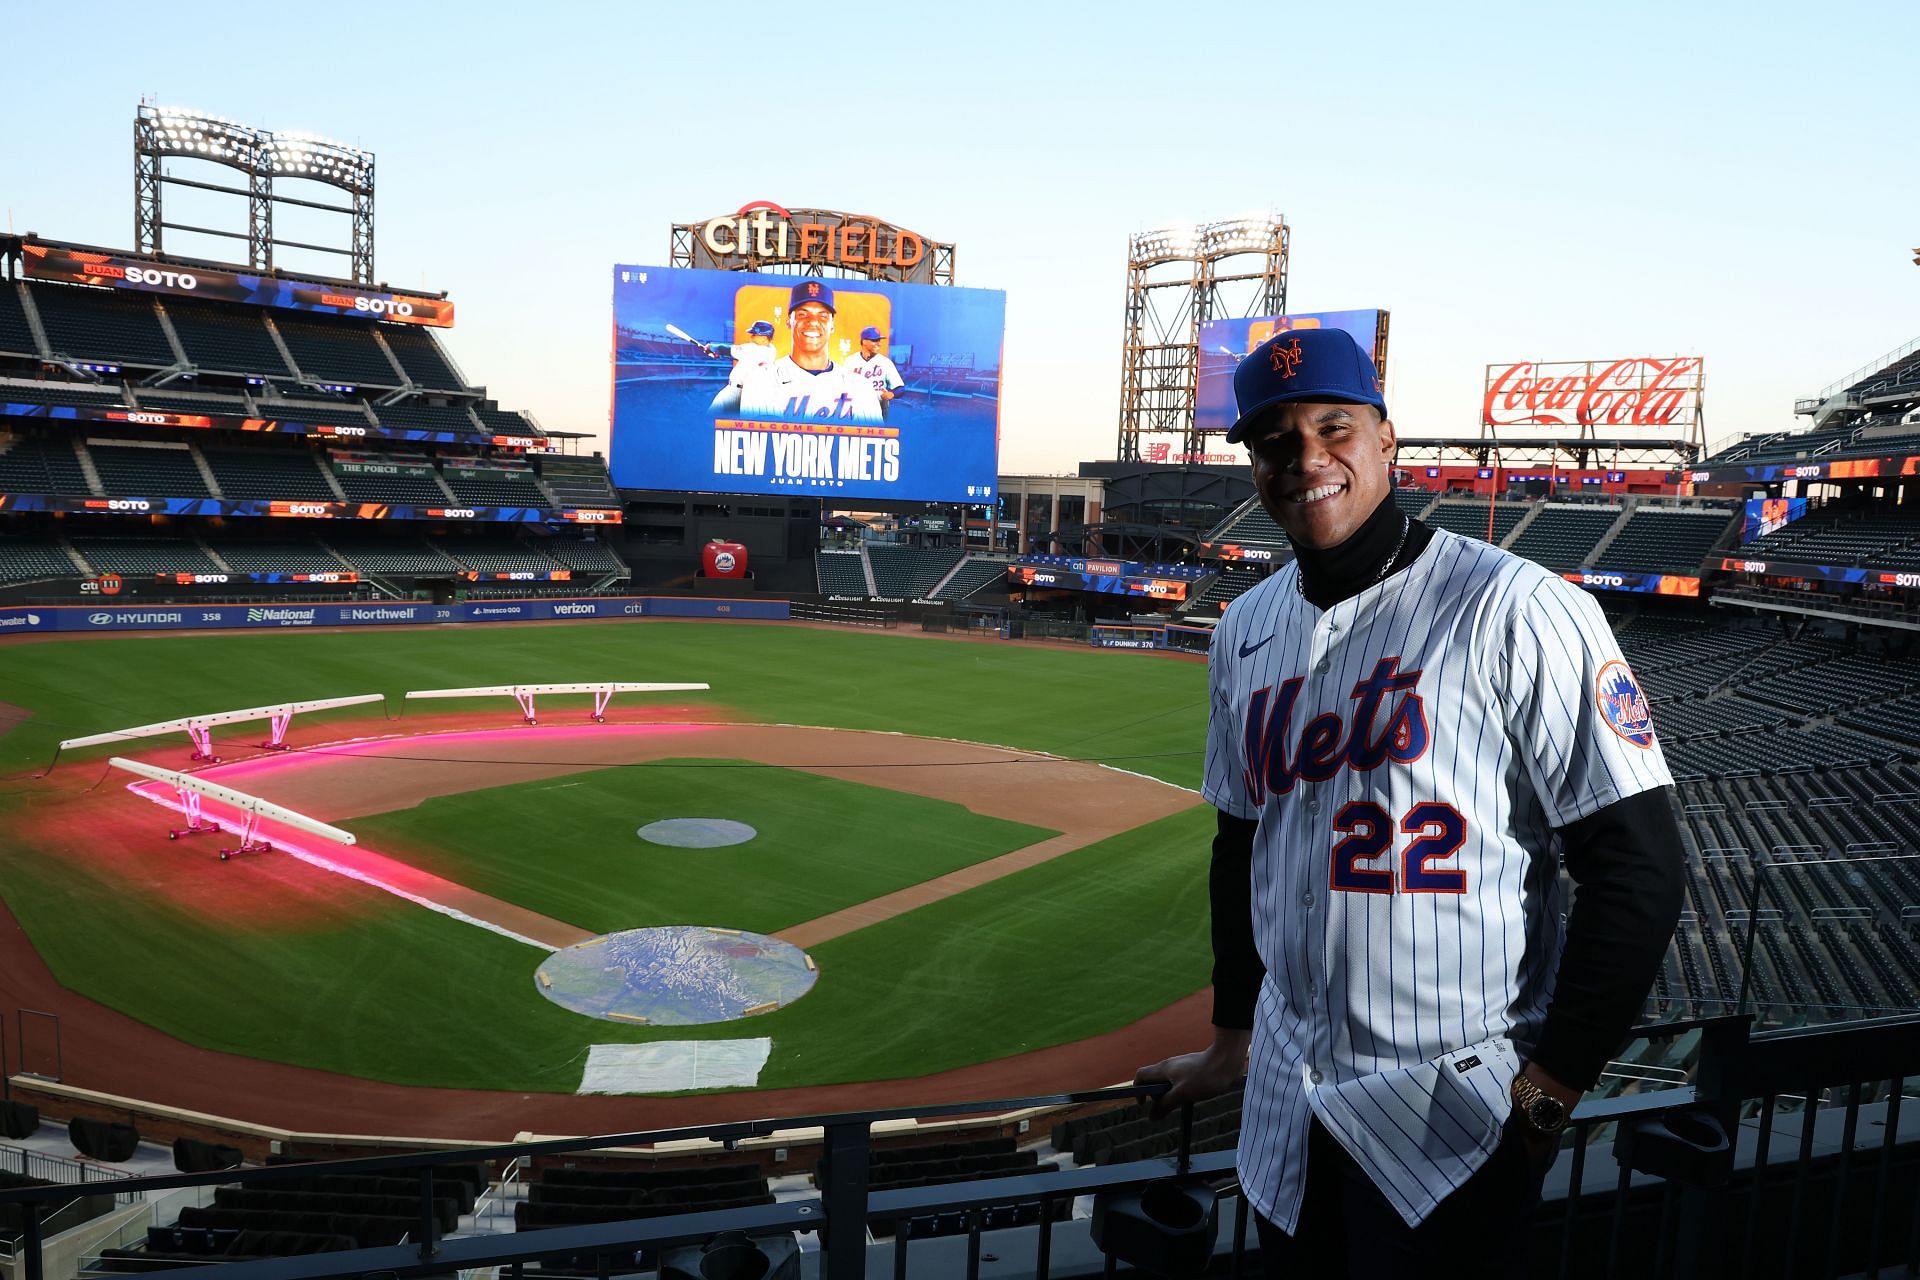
x=1328, y=743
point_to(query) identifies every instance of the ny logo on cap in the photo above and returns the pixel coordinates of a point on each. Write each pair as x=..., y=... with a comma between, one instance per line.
x=1287, y=359
x=813, y=291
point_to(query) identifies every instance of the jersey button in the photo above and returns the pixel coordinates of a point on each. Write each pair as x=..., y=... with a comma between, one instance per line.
x=1313, y=806
x=1306, y=899
x=1324, y=667
x=1314, y=1076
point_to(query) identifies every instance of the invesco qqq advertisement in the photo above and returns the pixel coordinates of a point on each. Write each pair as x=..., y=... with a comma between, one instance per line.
x=741, y=382
x=1224, y=343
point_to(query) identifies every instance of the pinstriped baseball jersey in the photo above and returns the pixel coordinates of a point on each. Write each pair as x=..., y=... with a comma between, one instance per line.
x=1409, y=754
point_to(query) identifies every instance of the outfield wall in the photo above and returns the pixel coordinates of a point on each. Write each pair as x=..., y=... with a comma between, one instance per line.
x=33, y=620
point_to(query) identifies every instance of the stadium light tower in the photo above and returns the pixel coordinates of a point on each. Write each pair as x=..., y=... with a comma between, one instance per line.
x=162, y=133
x=1178, y=278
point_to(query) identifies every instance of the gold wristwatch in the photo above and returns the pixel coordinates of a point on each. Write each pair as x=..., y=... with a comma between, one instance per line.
x=1544, y=1113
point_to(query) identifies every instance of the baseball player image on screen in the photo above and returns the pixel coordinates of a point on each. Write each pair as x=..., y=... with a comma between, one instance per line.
x=877, y=369
x=806, y=384
x=749, y=357
x=1410, y=733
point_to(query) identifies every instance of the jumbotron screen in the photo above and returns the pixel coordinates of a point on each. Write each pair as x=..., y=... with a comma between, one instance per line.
x=742, y=382
x=1224, y=343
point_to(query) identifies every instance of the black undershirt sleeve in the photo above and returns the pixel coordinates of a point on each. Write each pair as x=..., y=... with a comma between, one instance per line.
x=1627, y=861
x=1237, y=969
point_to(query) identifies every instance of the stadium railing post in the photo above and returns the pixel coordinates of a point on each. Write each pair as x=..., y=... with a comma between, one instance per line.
x=843, y=1237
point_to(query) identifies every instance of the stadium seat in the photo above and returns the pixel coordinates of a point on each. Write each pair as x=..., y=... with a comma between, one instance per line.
x=974, y=575
x=908, y=573
x=1469, y=518
x=1562, y=537
x=102, y=325
x=1660, y=539
x=336, y=350
x=147, y=469
x=103, y=1140
x=226, y=337
x=18, y=1120
x=190, y=1155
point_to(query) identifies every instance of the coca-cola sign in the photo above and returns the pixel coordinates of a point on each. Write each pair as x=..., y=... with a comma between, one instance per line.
x=1640, y=391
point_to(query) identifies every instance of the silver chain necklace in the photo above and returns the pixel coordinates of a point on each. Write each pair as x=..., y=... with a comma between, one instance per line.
x=1406, y=527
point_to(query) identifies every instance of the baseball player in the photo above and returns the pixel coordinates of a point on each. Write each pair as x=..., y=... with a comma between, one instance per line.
x=807, y=384
x=749, y=357
x=757, y=350
x=876, y=368
x=1410, y=733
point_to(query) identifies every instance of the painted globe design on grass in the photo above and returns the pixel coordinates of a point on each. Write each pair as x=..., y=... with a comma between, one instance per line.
x=676, y=975
x=697, y=833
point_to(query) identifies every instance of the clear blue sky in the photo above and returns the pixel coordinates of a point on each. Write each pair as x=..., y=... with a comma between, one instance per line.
x=1732, y=181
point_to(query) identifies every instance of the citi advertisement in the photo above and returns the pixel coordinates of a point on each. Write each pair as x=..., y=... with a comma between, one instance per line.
x=81, y=266
x=1224, y=343
x=741, y=382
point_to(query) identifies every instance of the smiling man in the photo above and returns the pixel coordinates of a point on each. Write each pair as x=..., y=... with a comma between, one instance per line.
x=807, y=384
x=1410, y=733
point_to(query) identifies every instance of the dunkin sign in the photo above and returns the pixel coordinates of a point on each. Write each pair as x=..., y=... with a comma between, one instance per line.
x=1640, y=391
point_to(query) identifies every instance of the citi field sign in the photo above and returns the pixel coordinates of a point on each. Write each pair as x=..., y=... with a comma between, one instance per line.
x=1639, y=391
x=760, y=235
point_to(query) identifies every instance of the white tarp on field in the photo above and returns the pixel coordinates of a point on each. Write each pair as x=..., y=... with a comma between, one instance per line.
x=669, y=1066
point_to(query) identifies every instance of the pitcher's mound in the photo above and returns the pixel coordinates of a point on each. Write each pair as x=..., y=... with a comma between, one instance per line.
x=676, y=975
x=697, y=833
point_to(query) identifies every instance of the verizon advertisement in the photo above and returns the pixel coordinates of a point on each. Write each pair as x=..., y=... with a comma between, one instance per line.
x=83, y=266
x=1640, y=391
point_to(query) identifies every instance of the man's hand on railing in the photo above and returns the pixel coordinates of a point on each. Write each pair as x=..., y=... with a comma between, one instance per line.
x=1195, y=1077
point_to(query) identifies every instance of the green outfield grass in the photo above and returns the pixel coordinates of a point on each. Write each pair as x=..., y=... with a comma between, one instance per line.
x=369, y=985
x=567, y=848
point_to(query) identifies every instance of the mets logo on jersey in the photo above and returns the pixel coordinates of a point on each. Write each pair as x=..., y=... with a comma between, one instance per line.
x=1623, y=704
x=1287, y=358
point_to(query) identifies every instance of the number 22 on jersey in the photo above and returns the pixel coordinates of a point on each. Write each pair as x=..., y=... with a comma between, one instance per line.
x=1367, y=836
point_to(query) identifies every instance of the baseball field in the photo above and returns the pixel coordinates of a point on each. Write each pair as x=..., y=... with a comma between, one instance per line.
x=983, y=849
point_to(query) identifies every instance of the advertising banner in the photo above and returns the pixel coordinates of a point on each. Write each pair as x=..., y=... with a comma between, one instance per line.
x=519, y=575
x=354, y=467
x=39, y=619
x=278, y=509
x=1026, y=575
x=1663, y=584
x=1765, y=515
x=1844, y=573
x=339, y=576
x=738, y=382
x=81, y=266
x=1639, y=392
x=1836, y=469
x=122, y=416
x=761, y=235
x=1224, y=343
x=1235, y=551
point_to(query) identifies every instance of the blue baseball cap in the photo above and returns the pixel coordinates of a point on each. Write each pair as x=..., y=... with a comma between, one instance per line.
x=812, y=291
x=1303, y=364
x=870, y=334
x=761, y=329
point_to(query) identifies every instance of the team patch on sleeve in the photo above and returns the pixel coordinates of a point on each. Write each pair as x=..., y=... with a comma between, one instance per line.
x=1623, y=704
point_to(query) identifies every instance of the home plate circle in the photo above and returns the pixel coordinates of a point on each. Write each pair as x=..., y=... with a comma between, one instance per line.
x=697, y=833
x=676, y=975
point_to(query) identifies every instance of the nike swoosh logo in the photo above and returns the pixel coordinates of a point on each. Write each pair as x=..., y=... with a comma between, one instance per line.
x=1248, y=650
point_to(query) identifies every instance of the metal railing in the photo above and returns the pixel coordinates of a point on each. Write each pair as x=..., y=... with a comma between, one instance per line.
x=1735, y=1173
